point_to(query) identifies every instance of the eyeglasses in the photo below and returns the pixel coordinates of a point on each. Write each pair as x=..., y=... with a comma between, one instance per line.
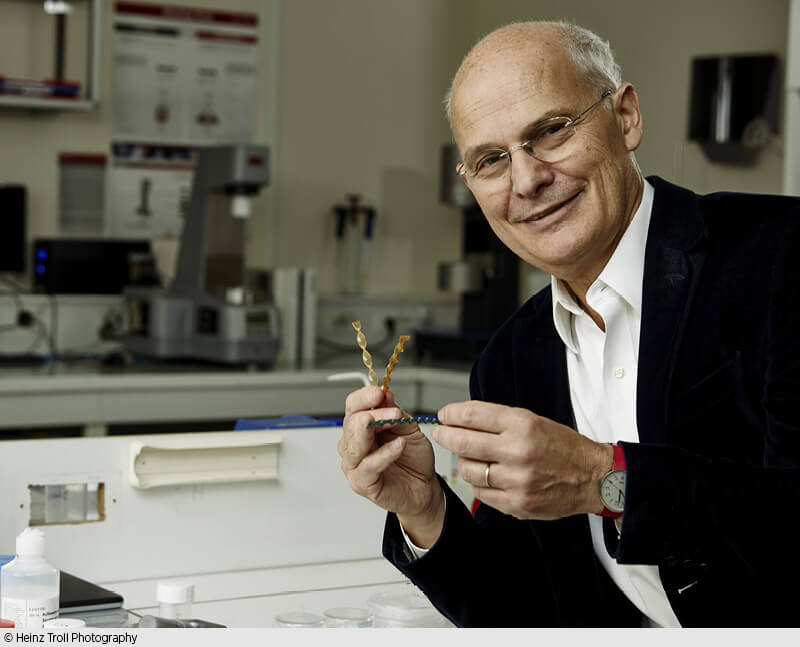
x=545, y=144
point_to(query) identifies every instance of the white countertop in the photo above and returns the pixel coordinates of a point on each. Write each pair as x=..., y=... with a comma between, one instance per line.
x=92, y=398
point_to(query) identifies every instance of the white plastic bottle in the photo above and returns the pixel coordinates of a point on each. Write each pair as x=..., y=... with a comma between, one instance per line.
x=30, y=584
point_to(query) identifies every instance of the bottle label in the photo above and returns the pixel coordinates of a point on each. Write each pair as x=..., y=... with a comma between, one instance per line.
x=29, y=614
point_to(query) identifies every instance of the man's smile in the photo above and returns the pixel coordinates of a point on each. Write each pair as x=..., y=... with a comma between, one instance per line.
x=551, y=209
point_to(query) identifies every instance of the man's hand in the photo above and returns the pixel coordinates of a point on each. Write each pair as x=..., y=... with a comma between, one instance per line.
x=539, y=468
x=392, y=466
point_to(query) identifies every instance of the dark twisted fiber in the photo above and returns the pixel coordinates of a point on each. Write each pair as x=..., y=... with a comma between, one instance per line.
x=399, y=421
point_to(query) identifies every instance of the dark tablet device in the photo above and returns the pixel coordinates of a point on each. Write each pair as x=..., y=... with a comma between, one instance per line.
x=79, y=595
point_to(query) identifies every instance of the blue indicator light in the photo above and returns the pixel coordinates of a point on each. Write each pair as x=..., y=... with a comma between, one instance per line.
x=40, y=268
x=41, y=254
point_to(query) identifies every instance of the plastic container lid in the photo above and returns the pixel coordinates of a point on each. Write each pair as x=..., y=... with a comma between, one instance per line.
x=64, y=623
x=30, y=542
x=175, y=592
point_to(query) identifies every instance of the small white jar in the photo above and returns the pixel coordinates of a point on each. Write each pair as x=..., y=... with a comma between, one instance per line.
x=175, y=600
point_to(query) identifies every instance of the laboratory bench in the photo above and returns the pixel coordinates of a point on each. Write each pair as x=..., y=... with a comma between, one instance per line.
x=260, y=521
x=283, y=533
x=62, y=399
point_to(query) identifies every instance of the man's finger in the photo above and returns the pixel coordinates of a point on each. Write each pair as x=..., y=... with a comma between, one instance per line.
x=484, y=416
x=358, y=439
x=373, y=465
x=477, y=445
x=367, y=397
x=474, y=473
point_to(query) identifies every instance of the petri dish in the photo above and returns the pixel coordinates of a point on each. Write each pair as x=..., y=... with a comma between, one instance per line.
x=348, y=617
x=299, y=620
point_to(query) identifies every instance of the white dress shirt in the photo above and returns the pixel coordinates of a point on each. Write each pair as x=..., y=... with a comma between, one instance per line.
x=602, y=371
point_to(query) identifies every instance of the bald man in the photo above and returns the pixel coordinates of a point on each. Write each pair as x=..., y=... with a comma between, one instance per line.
x=634, y=429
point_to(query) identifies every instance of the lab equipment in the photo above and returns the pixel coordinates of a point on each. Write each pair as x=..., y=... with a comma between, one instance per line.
x=366, y=357
x=735, y=104
x=13, y=200
x=175, y=599
x=150, y=622
x=348, y=618
x=423, y=420
x=299, y=620
x=4, y=559
x=361, y=340
x=295, y=293
x=393, y=360
x=354, y=239
x=486, y=277
x=84, y=266
x=30, y=584
x=212, y=310
x=77, y=595
x=65, y=623
x=409, y=608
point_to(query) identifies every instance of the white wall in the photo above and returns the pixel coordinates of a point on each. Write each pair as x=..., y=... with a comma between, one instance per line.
x=352, y=104
x=360, y=112
x=654, y=42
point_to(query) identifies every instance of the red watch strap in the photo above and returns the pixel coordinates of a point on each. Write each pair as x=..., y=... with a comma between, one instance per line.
x=619, y=458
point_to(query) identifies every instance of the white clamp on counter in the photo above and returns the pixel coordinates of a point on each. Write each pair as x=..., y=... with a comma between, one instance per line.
x=213, y=457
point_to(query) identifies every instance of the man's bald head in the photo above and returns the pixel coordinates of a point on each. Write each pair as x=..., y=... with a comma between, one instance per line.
x=538, y=44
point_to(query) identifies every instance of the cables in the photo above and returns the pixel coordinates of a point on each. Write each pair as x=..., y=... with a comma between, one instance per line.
x=27, y=319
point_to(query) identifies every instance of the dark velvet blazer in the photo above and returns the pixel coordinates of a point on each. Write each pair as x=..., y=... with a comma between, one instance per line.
x=713, y=485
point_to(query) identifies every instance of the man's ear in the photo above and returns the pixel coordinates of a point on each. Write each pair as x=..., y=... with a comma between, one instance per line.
x=629, y=116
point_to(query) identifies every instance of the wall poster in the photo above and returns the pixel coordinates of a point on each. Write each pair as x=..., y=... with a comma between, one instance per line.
x=183, y=77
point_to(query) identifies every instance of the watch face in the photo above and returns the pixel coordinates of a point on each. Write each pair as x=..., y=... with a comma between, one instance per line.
x=612, y=490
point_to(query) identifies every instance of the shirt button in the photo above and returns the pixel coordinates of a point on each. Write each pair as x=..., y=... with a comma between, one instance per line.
x=619, y=372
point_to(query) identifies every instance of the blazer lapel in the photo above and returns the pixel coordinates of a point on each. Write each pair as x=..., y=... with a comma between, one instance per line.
x=673, y=261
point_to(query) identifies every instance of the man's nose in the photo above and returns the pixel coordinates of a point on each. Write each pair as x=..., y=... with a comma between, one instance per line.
x=529, y=175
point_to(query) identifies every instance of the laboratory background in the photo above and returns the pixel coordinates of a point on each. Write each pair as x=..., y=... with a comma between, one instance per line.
x=199, y=198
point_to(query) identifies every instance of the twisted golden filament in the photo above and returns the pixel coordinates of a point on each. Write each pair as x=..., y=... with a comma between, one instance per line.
x=361, y=340
x=393, y=360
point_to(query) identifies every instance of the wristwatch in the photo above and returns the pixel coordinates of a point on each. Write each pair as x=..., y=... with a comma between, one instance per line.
x=612, y=487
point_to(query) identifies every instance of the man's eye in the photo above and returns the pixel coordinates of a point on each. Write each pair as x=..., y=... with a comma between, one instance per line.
x=549, y=129
x=488, y=161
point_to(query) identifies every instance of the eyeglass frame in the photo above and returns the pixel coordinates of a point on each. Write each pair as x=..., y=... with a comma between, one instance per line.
x=461, y=167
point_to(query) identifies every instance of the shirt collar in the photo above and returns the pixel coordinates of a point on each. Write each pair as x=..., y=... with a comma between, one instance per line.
x=623, y=273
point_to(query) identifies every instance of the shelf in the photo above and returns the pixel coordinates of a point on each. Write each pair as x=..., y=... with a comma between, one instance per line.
x=24, y=23
x=46, y=104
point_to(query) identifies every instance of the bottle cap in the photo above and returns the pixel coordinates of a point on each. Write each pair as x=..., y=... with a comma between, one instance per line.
x=174, y=592
x=30, y=542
